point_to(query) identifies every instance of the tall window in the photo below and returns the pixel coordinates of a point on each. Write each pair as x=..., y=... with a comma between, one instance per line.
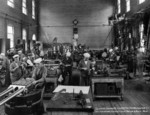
x=34, y=37
x=33, y=9
x=141, y=1
x=10, y=35
x=127, y=5
x=24, y=37
x=24, y=6
x=119, y=6
x=10, y=3
x=141, y=30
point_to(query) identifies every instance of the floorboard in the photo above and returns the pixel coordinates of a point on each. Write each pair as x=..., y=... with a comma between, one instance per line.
x=136, y=97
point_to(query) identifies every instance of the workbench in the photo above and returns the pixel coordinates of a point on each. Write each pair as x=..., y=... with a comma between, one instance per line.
x=67, y=104
x=107, y=87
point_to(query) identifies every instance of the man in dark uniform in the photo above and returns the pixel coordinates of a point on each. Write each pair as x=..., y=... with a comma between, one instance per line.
x=5, y=65
x=39, y=76
x=2, y=74
x=39, y=72
x=67, y=62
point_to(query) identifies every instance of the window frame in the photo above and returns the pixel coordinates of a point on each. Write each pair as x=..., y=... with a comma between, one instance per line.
x=12, y=41
x=24, y=7
x=128, y=5
x=11, y=3
x=141, y=32
x=34, y=37
x=24, y=37
x=141, y=1
x=33, y=9
x=119, y=6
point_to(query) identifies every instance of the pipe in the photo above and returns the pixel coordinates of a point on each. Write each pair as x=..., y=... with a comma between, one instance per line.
x=11, y=96
x=6, y=91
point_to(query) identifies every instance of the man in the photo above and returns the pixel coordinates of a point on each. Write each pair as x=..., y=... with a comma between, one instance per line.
x=39, y=76
x=2, y=73
x=85, y=67
x=5, y=65
x=104, y=54
x=67, y=61
x=39, y=72
x=15, y=69
x=140, y=62
x=21, y=55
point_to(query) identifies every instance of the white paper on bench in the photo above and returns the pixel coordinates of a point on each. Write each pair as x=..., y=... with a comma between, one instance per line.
x=69, y=89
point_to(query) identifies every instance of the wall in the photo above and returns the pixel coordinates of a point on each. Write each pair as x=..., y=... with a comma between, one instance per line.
x=56, y=18
x=15, y=17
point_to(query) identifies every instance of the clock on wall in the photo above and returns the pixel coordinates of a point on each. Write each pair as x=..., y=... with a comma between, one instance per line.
x=75, y=22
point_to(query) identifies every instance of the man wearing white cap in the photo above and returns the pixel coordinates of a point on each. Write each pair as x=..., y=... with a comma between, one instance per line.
x=39, y=72
x=15, y=69
x=85, y=65
x=21, y=55
x=67, y=62
x=39, y=76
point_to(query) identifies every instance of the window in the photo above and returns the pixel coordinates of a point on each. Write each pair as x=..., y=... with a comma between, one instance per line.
x=141, y=1
x=10, y=3
x=127, y=5
x=34, y=37
x=141, y=30
x=33, y=9
x=24, y=37
x=10, y=35
x=119, y=6
x=24, y=6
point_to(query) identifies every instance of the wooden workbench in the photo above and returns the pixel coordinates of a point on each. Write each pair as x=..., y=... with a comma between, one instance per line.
x=67, y=104
x=107, y=87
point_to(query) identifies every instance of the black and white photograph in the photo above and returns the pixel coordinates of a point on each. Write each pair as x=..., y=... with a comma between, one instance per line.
x=74, y=57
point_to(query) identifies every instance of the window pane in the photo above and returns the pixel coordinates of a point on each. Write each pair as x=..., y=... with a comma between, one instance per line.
x=33, y=9
x=24, y=34
x=10, y=29
x=24, y=10
x=10, y=35
x=119, y=6
x=24, y=7
x=33, y=37
x=10, y=3
x=24, y=37
x=141, y=1
x=127, y=5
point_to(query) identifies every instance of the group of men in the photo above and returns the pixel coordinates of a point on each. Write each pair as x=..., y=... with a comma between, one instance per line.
x=20, y=66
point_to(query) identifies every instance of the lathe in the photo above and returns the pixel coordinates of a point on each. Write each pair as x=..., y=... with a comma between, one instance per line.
x=21, y=98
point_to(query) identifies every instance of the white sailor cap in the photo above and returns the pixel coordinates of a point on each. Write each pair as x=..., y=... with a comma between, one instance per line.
x=20, y=51
x=29, y=62
x=116, y=48
x=2, y=54
x=38, y=60
x=87, y=55
x=15, y=56
x=110, y=50
x=68, y=54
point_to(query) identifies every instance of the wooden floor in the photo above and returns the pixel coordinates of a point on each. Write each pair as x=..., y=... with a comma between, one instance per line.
x=136, y=101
